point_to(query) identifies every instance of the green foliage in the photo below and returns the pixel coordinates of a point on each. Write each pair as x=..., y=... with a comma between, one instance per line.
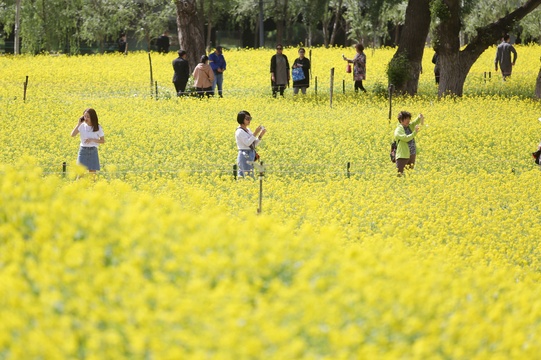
x=398, y=70
x=439, y=10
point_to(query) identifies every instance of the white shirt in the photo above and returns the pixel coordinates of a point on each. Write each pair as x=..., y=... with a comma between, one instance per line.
x=245, y=139
x=87, y=132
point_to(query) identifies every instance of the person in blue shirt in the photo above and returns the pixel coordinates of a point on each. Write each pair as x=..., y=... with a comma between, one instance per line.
x=218, y=65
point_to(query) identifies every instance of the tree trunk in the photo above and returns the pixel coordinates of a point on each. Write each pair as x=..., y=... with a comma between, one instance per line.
x=17, y=27
x=209, y=26
x=456, y=64
x=338, y=16
x=411, y=46
x=325, y=25
x=190, y=31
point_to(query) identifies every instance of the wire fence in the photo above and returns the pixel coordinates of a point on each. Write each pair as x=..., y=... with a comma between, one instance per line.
x=297, y=170
x=320, y=86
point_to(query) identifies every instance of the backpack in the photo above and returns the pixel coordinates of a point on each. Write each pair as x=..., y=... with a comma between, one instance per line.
x=392, y=154
x=536, y=156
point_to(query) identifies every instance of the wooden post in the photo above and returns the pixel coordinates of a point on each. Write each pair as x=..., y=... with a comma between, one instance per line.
x=331, y=86
x=261, y=174
x=64, y=169
x=25, y=87
x=315, y=90
x=151, y=78
x=391, y=90
x=156, y=83
x=347, y=168
x=538, y=85
x=235, y=168
x=343, y=86
x=311, y=64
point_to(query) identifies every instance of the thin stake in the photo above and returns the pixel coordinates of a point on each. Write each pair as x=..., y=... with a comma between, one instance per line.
x=156, y=83
x=331, y=86
x=235, y=171
x=64, y=169
x=261, y=174
x=151, y=78
x=311, y=64
x=391, y=88
x=347, y=168
x=25, y=87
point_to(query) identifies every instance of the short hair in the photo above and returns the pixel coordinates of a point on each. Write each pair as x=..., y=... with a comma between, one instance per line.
x=302, y=49
x=359, y=47
x=181, y=52
x=241, y=116
x=204, y=59
x=403, y=115
x=506, y=37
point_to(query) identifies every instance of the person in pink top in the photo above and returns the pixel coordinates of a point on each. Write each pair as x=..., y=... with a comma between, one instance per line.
x=203, y=77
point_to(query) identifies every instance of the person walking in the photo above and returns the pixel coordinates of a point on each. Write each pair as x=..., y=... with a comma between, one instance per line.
x=359, y=67
x=218, y=65
x=163, y=42
x=122, y=43
x=182, y=72
x=279, y=69
x=246, y=143
x=92, y=135
x=404, y=135
x=503, y=57
x=203, y=77
x=303, y=64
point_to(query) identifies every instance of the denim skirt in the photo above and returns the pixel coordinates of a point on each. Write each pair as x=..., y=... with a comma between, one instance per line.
x=243, y=159
x=88, y=156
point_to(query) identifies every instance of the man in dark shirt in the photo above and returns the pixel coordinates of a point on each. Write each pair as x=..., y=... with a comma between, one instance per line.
x=182, y=72
x=503, y=57
x=163, y=42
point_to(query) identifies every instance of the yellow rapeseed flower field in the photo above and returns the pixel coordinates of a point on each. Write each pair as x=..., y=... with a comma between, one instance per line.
x=163, y=256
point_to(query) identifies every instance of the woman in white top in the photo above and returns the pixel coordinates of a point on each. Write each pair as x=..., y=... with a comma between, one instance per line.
x=246, y=143
x=91, y=136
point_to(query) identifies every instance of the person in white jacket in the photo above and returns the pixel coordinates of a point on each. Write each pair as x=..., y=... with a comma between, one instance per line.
x=246, y=144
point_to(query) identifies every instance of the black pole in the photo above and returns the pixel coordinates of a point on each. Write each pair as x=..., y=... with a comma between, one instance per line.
x=25, y=87
x=347, y=168
x=151, y=78
x=235, y=171
x=343, y=86
x=156, y=83
x=316, y=86
x=64, y=169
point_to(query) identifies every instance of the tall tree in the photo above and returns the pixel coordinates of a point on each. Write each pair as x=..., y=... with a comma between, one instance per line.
x=404, y=68
x=190, y=30
x=455, y=63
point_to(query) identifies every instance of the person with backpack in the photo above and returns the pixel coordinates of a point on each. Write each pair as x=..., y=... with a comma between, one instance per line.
x=404, y=135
